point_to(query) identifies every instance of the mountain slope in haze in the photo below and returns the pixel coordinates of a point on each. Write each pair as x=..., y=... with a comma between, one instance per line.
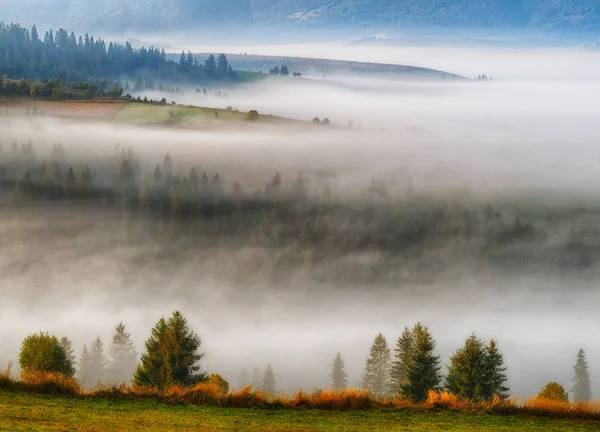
x=148, y=15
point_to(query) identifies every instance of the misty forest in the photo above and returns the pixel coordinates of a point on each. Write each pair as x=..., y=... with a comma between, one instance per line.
x=281, y=231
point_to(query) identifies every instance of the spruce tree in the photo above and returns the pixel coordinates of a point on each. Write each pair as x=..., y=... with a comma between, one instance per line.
x=171, y=356
x=495, y=373
x=403, y=355
x=84, y=373
x=97, y=363
x=378, y=366
x=339, y=379
x=67, y=346
x=466, y=374
x=122, y=356
x=423, y=372
x=268, y=382
x=581, y=379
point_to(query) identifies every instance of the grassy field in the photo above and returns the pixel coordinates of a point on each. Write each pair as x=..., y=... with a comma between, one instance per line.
x=27, y=412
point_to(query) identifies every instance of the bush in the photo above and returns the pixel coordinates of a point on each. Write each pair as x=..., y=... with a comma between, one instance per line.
x=253, y=115
x=554, y=391
x=88, y=94
x=43, y=353
x=220, y=382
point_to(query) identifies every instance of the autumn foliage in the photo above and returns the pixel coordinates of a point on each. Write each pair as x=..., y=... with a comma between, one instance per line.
x=211, y=394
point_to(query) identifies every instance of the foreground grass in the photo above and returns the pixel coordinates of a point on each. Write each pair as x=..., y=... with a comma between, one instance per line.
x=26, y=412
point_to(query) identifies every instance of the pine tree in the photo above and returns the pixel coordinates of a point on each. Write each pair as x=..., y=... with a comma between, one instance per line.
x=466, y=374
x=581, y=379
x=97, y=363
x=67, y=347
x=495, y=373
x=268, y=382
x=122, y=356
x=339, y=379
x=378, y=366
x=423, y=372
x=403, y=355
x=171, y=356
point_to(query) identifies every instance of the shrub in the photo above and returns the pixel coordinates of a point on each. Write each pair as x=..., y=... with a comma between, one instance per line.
x=43, y=353
x=253, y=115
x=554, y=391
x=220, y=382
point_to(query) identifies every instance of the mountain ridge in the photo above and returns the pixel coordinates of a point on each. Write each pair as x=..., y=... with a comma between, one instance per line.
x=148, y=15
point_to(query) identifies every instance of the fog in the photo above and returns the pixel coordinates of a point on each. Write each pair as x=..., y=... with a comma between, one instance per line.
x=526, y=143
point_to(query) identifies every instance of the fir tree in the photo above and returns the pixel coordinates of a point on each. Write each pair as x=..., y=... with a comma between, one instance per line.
x=581, y=379
x=339, y=379
x=403, y=355
x=268, y=382
x=171, y=356
x=423, y=372
x=122, y=356
x=378, y=366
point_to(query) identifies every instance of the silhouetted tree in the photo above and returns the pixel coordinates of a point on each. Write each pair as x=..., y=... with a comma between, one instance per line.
x=581, y=379
x=268, y=382
x=376, y=377
x=339, y=379
x=122, y=356
x=402, y=358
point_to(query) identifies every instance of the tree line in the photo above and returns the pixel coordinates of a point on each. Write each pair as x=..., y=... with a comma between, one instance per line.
x=171, y=358
x=402, y=226
x=62, y=55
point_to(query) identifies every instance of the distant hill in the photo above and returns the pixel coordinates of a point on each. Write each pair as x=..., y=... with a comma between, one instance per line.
x=149, y=15
x=313, y=66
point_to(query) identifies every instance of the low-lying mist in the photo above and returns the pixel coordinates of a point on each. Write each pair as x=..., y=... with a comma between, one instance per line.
x=392, y=226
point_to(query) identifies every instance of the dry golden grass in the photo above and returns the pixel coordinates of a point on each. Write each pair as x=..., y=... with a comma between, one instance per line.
x=210, y=394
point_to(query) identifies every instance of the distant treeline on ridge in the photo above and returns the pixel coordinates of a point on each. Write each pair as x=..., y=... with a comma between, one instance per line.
x=26, y=54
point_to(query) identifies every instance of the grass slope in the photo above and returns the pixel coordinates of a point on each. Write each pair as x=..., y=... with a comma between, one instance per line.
x=26, y=412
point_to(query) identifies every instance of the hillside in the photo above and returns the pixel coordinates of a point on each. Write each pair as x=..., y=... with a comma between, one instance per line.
x=314, y=66
x=153, y=15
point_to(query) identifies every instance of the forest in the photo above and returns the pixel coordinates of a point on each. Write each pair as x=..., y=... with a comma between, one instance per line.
x=25, y=53
x=300, y=223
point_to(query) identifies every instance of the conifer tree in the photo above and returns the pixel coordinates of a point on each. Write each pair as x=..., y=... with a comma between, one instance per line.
x=403, y=355
x=378, y=366
x=339, y=379
x=268, y=382
x=466, y=374
x=171, y=356
x=97, y=363
x=122, y=356
x=495, y=373
x=84, y=372
x=67, y=347
x=581, y=379
x=423, y=371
